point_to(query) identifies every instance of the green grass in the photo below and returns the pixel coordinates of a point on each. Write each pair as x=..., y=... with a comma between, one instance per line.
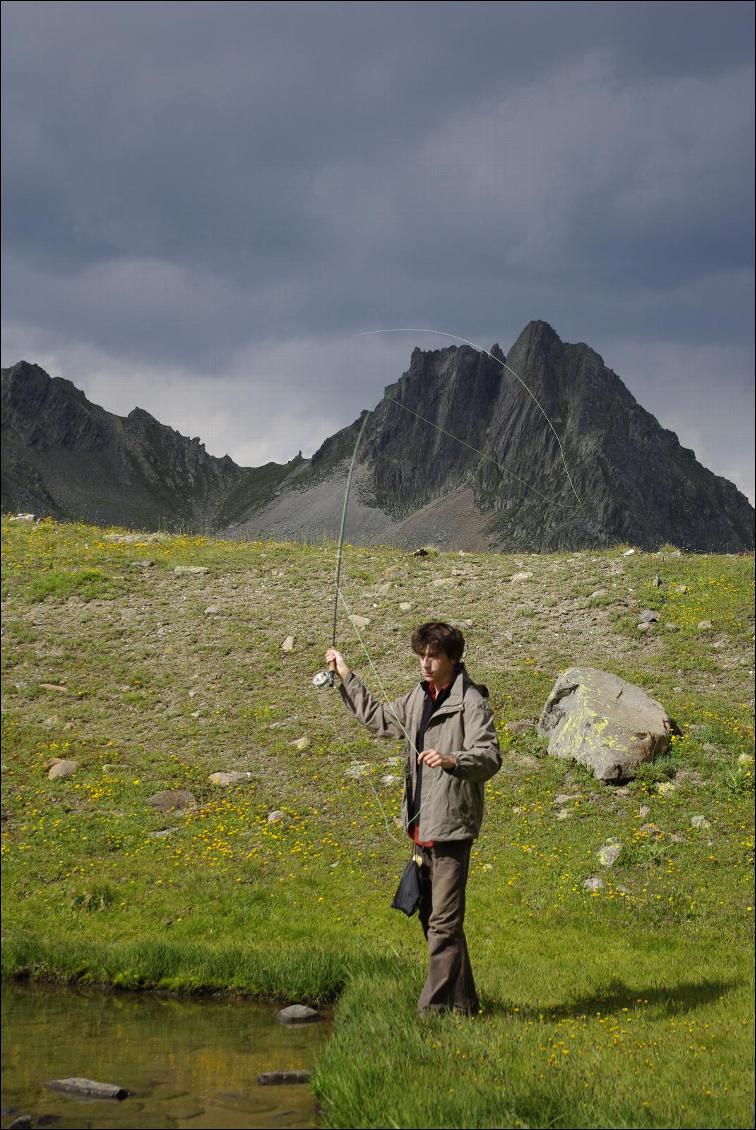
x=628, y=1006
x=88, y=584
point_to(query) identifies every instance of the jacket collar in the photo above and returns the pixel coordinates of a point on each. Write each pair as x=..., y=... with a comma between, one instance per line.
x=456, y=692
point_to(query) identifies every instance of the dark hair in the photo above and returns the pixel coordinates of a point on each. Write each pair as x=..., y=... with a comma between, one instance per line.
x=439, y=636
x=443, y=637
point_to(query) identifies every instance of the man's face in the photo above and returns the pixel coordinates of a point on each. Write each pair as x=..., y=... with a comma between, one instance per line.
x=436, y=667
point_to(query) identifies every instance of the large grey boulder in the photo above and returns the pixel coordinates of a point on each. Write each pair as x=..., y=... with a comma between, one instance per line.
x=604, y=722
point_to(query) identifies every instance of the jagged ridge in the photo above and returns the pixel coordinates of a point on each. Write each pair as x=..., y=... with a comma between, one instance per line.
x=573, y=462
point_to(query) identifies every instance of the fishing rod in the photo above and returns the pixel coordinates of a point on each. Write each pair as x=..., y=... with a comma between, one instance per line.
x=326, y=678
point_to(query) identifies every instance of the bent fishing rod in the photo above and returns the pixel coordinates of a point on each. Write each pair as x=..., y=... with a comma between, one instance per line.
x=326, y=678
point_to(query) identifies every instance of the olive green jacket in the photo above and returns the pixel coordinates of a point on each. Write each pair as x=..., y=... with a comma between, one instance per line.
x=451, y=799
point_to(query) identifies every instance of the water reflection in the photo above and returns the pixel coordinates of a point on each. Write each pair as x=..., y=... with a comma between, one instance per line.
x=190, y=1063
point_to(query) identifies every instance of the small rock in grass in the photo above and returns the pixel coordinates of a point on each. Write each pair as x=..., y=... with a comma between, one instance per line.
x=609, y=854
x=643, y=811
x=360, y=621
x=666, y=788
x=564, y=798
x=671, y=627
x=357, y=770
x=700, y=822
x=238, y=777
x=389, y=779
x=520, y=577
x=275, y=816
x=405, y=606
x=648, y=616
x=704, y=625
x=190, y=570
x=644, y=627
x=168, y=799
x=63, y=768
x=529, y=762
x=298, y=1014
x=301, y=743
x=212, y=610
x=521, y=726
x=597, y=593
x=288, y=644
x=656, y=580
x=594, y=883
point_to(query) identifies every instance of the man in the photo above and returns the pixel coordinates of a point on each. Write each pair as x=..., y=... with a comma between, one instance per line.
x=452, y=750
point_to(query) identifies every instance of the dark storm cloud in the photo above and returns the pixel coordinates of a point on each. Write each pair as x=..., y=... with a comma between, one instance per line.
x=199, y=192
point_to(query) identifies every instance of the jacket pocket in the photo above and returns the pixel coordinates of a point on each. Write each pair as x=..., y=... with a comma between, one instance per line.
x=461, y=803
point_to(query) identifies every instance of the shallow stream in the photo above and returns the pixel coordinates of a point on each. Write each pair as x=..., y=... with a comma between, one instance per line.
x=187, y=1063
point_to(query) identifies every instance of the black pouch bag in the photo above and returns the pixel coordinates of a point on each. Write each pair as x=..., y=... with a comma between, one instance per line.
x=407, y=897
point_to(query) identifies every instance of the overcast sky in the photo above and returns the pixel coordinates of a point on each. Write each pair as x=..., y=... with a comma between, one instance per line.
x=204, y=204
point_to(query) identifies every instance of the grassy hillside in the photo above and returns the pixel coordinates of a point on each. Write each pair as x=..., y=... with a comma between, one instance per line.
x=626, y=1006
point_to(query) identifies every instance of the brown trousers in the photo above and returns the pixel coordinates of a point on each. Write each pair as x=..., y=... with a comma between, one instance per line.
x=443, y=877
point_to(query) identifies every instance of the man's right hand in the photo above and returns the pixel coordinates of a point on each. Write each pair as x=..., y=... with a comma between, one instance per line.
x=336, y=662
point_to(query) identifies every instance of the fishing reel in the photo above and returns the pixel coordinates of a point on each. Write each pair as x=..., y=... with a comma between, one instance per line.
x=323, y=679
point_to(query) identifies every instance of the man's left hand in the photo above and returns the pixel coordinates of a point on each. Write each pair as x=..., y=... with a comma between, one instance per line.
x=435, y=760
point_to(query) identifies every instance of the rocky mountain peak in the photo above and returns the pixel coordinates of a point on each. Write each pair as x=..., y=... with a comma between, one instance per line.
x=459, y=451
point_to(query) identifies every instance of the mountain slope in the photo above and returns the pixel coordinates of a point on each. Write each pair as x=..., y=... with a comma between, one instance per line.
x=460, y=451
x=64, y=456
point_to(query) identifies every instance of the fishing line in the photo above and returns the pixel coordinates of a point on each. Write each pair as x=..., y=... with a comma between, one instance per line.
x=327, y=677
x=343, y=524
x=464, y=443
x=399, y=722
x=472, y=344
